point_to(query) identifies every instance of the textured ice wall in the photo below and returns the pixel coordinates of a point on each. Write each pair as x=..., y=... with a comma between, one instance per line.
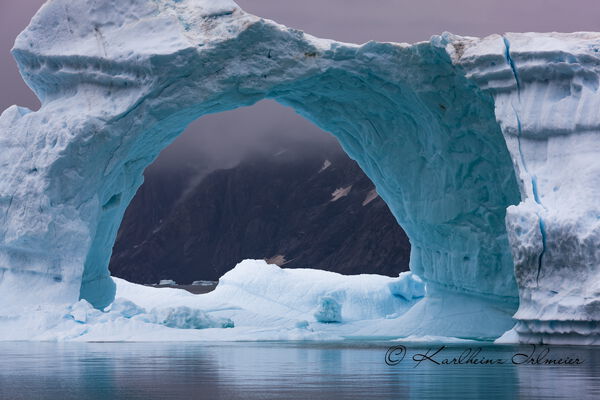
x=547, y=102
x=437, y=126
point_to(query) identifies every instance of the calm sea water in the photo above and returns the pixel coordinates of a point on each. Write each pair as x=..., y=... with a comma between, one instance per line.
x=273, y=370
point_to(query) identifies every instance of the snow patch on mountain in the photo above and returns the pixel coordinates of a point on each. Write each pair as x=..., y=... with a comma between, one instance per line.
x=340, y=192
x=372, y=195
x=326, y=164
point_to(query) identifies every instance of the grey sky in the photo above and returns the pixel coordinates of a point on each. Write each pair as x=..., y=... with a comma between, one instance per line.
x=228, y=136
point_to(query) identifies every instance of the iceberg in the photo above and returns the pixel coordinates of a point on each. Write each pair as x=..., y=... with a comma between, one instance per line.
x=484, y=149
x=253, y=301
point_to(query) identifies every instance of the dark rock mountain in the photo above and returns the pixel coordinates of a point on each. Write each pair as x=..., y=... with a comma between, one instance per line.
x=293, y=209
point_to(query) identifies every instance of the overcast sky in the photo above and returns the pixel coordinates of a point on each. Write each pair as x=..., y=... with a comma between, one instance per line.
x=230, y=135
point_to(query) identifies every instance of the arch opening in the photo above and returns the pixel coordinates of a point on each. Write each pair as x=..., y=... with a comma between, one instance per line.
x=260, y=182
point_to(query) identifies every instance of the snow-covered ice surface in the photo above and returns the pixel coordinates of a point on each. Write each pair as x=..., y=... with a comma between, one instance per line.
x=253, y=301
x=259, y=301
x=485, y=150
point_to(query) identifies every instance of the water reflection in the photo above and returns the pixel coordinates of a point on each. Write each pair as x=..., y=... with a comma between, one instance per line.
x=278, y=370
x=560, y=382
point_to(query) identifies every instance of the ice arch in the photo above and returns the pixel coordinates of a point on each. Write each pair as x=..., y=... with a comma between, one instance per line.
x=119, y=82
x=428, y=123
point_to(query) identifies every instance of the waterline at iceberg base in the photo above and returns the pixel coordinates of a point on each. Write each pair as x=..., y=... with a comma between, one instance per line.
x=484, y=149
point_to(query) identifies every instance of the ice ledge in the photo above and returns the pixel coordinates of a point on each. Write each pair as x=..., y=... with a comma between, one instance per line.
x=257, y=301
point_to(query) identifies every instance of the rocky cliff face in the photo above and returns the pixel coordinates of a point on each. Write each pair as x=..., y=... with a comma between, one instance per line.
x=296, y=210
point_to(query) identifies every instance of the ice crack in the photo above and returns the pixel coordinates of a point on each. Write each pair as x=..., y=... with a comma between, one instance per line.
x=511, y=63
x=534, y=186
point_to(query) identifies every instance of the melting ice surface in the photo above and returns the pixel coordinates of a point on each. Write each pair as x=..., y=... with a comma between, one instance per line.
x=253, y=301
x=258, y=301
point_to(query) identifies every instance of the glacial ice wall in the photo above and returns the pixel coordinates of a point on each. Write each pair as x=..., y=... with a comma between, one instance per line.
x=547, y=106
x=453, y=132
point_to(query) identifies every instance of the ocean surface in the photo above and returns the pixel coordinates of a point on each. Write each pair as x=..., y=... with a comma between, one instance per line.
x=296, y=370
